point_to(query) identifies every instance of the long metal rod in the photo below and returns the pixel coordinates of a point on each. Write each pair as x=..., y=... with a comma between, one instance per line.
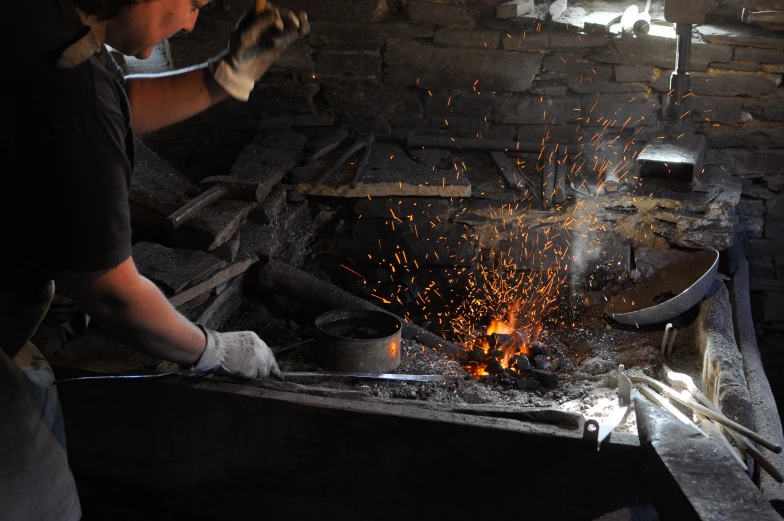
x=382, y=376
x=720, y=418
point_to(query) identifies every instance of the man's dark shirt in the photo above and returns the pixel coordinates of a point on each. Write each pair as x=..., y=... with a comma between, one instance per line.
x=69, y=154
x=66, y=151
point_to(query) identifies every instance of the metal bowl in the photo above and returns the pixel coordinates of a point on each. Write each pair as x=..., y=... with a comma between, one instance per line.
x=358, y=340
x=672, y=290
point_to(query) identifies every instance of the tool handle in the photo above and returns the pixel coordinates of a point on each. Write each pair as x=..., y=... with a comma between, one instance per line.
x=195, y=205
x=261, y=5
x=713, y=415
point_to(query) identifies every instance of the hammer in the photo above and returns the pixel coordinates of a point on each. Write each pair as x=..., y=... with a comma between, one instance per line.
x=249, y=188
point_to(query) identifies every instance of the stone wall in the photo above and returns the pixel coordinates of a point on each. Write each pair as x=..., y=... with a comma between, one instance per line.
x=470, y=68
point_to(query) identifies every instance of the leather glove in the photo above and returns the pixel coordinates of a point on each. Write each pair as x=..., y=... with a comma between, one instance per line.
x=240, y=354
x=257, y=42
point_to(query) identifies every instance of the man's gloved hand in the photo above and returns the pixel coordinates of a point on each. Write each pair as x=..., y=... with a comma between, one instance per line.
x=256, y=43
x=240, y=354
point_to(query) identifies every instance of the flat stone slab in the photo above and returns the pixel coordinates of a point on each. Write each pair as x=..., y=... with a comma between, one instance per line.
x=725, y=83
x=213, y=226
x=741, y=34
x=657, y=216
x=175, y=269
x=156, y=184
x=427, y=67
x=389, y=172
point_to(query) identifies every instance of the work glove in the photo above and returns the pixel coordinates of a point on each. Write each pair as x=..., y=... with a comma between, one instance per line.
x=257, y=42
x=240, y=354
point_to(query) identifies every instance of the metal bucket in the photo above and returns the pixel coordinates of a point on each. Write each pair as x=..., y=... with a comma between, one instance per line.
x=358, y=340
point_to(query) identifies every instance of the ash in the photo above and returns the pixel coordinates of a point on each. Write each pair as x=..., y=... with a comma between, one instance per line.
x=585, y=356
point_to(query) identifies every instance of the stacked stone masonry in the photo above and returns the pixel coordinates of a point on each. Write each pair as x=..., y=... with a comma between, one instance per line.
x=475, y=69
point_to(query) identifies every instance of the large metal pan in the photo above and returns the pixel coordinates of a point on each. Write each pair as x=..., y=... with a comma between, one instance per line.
x=358, y=340
x=672, y=290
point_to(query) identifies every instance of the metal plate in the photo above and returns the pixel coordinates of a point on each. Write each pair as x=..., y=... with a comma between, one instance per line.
x=671, y=291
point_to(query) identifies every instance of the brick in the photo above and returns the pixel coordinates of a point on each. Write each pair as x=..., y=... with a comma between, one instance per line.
x=274, y=99
x=754, y=190
x=775, y=182
x=426, y=67
x=738, y=34
x=353, y=63
x=660, y=52
x=774, y=218
x=638, y=109
x=567, y=39
x=475, y=38
x=331, y=33
x=459, y=104
x=372, y=100
x=548, y=88
x=745, y=162
x=726, y=83
x=737, y=66
x=770, y=109
x=751, y=207
x=765, y=248
x=174, y=269
x=718, y=109
x=593, y=86
x=389, y=173
x=768, y=306
x=752, y=54
x=633, y=73
x=356, y=10
x=762, y=137
x=469, y=126
x=526, y=41
x=566, y=134
x=514, y=9
x=778, y=262
x=750, y=227
x=761, y=268
x=453, y=15
x=536, y=109
x=777, y=68
x=562, y=65
x=296, y=59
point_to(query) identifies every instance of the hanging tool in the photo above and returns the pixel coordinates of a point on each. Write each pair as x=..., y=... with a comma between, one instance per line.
x=642, y=25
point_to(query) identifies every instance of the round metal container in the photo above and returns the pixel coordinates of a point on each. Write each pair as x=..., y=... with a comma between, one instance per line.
x=672, y=290
x=358, y=341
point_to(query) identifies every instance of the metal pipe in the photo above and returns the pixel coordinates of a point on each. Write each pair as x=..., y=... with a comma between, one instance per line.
x=680, y=80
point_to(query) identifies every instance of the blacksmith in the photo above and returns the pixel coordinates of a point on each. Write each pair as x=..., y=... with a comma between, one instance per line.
x=68, y=124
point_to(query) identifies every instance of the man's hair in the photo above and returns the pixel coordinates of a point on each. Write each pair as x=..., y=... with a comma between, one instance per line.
x=104, y=9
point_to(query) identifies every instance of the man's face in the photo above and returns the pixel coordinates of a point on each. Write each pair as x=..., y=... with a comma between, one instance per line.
x=147, y=22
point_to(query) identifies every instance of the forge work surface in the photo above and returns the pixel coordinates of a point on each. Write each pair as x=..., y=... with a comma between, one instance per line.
x=223, y=450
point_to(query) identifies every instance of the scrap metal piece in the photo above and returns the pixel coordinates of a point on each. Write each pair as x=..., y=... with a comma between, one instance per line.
x=678, y=163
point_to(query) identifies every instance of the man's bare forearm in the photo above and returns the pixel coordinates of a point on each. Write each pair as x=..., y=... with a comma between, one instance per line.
x=160, y=100
x=134, y=311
